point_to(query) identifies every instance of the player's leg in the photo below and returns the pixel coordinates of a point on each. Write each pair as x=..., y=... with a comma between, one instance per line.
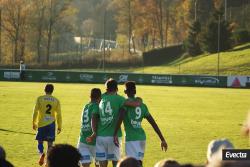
x=86, y=165
x=41, y=132
x=101, y=151
x=103, y=163
x=92, y=149
x=40, y=147
x=114, y=152
x=49, y=145
x=50, y=135
x=114, y=163
x=135, y=149
x=86, y=156
x=97, y=164
x=41, y=152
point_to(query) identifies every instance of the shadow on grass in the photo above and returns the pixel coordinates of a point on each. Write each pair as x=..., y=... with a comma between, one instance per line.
x=11, y=131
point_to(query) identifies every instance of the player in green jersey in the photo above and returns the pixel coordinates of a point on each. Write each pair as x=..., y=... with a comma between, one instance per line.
x=132, y=118
x=87, y=149
x=103, y=125
x=104, y=122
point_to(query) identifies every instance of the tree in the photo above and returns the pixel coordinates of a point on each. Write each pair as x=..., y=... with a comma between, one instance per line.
x=193, y=40
x=39, y=25
x=210, y=36
x=56, y=12
x=126, y=19
x=15, y=24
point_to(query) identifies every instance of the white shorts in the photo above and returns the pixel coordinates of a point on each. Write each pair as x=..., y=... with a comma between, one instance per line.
x=107, y=150
x=87, y=152
x=135, y=149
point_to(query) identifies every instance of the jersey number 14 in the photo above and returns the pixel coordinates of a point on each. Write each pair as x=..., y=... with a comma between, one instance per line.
x=108, y=109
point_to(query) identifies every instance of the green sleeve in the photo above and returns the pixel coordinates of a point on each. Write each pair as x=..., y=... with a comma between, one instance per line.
x=146, y=112
x=95, y=109
x=122, y=101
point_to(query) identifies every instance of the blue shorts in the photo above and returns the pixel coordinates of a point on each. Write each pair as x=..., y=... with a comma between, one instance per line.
x=46, y=133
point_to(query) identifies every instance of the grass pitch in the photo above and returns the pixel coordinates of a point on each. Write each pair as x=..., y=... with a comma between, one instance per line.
x=188, y=117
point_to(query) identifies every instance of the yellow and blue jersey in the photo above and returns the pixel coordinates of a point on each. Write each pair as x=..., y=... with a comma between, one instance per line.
x=46, y=111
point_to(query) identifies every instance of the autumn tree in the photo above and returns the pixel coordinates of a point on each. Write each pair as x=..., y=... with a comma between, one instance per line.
x=14, y=18
x=55, y=12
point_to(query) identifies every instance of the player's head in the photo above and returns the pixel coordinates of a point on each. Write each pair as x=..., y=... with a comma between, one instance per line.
x=5, y=163
x=214, y=151
x=111, y=85
x=63, y=155
x=130, y=88
x=49, y=88
x=167, y=163
x=95, y=94
x=2, y=153
x=128, y=162
x=229, y=164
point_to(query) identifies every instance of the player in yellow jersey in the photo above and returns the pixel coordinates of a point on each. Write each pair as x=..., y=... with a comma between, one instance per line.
x=46, y=112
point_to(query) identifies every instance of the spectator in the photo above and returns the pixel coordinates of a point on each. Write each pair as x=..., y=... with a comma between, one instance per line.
x=214, y=151
x=167, y=163
x=229, y=164
x=128, y=162
x=3, y=161
x=191, y=165
x=2, y=153
x=22, y=70
x=246, y=126
x=63, y=155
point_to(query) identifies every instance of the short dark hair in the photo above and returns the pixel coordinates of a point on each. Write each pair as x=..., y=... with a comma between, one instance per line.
x=5, y=163
x=130, y=86
x=128, y=162
x=167, y=163
x=49, y=88
x=111, y=85
x=2, y=153
x=63, y=155
x=95, y=93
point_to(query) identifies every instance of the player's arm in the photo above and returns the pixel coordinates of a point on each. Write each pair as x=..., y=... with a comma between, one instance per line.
x=94, y=122
x=118, y=125
x=133, y=103
x=59, y=118
x=151, y=120
x=35, y=115
x=246, y=126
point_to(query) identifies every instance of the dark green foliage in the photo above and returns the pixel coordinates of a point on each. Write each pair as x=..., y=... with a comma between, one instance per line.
x=163, y=55
x=193, y=41
x=241, y=36
x=210, y=35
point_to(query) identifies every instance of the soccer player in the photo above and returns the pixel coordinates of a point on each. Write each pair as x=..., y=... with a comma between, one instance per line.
x=46, y=112
x=103, y=125
x=86, y=149
x=132, y=118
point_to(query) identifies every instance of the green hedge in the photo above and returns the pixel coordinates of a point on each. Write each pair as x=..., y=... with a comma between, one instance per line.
x=241, y=36
x=163, y=55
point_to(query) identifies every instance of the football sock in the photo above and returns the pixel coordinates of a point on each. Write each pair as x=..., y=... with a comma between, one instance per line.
x=40, y=148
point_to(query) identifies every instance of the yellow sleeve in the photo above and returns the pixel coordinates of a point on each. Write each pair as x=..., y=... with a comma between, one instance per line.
x=59, y=116
x=35, y=112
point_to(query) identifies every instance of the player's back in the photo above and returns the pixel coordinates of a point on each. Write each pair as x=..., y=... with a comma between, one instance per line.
x=86, y=129
x=132, y=121
x=109, y=108
x=47, y=107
